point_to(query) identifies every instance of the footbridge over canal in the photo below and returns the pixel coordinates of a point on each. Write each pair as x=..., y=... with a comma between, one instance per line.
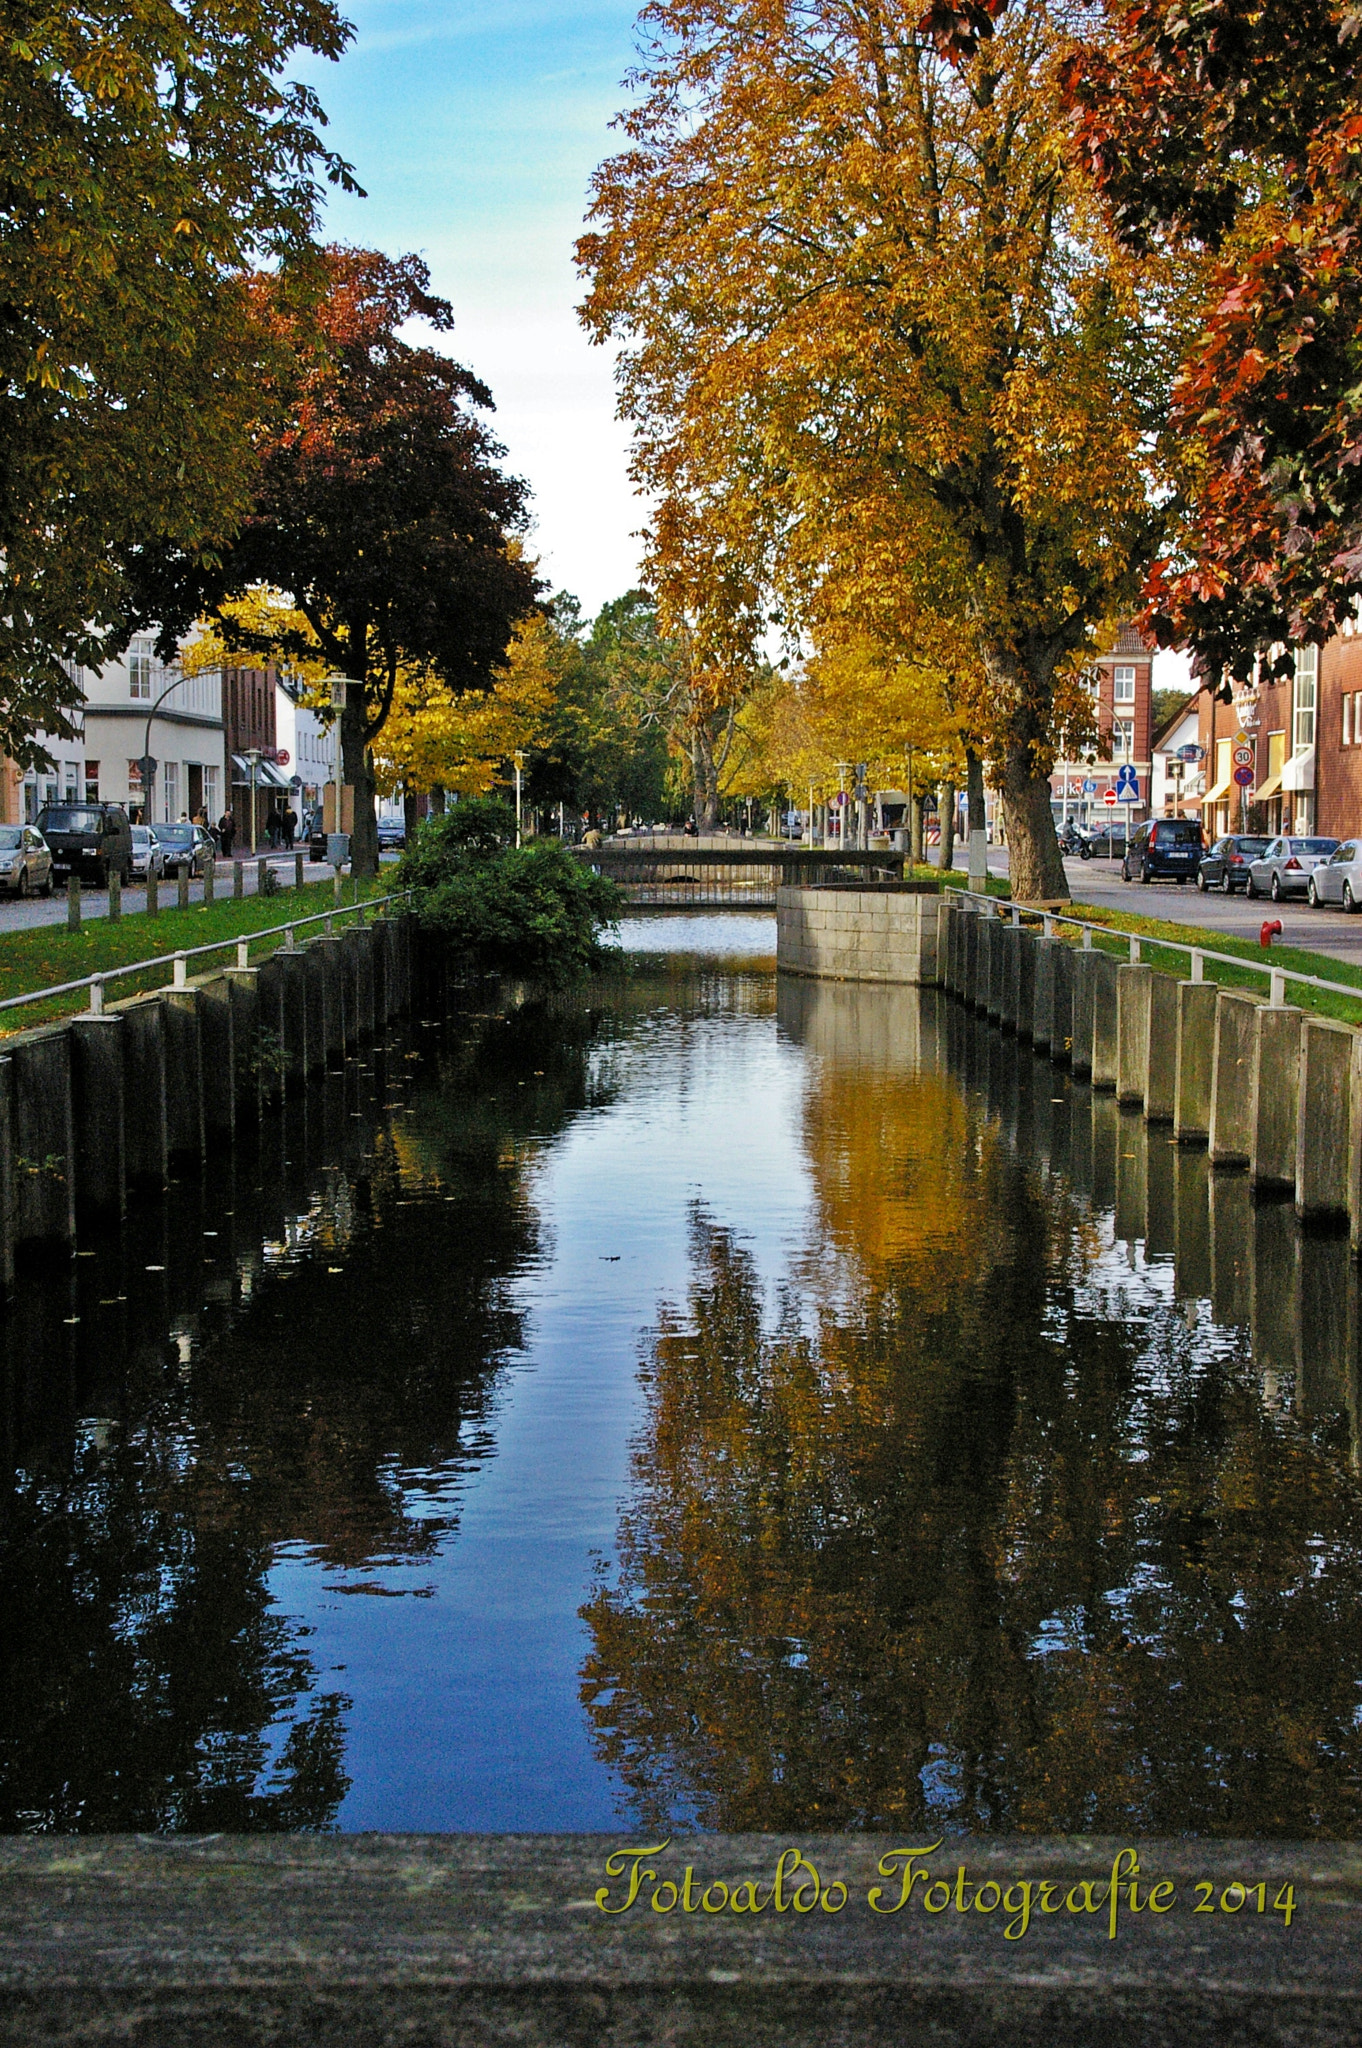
x=680, y=874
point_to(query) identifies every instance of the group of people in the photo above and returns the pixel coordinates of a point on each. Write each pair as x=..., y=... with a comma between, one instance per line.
x=281, y=829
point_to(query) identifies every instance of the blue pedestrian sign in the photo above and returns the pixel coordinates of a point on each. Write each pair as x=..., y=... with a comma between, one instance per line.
x=1127, y=785
x=1090, y=787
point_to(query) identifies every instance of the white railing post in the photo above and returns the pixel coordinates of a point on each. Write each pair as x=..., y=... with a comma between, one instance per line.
x=1087, y=938
x=1134, y=947
x=97, y=996
x=1198, y=969
x=1048, y=927
x=243, y=952
x=290, y=943
x=1277, y=984
x=181, y=978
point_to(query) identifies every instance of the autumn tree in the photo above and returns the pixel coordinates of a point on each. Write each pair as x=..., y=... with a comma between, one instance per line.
x=150, y=155
x=871, y=324
x=1235, y=131
x=380, y=509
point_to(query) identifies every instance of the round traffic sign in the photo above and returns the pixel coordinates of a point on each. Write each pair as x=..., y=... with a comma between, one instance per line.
x=1108, y=796
x=281, y=758
x=1243, y=757
x=1243, y=776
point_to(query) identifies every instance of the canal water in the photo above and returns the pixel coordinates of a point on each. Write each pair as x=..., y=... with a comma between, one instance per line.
x=698, y=1400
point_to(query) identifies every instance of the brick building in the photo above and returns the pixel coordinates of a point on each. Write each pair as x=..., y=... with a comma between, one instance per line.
x=249, y=715
x=1123, y=708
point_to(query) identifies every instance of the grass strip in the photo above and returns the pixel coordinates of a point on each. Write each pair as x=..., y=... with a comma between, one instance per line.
x=48, y=954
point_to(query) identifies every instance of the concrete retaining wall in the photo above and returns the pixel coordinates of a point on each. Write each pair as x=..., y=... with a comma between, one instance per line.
x=98, y=1106
x=886, y=933
x=1274, y=1095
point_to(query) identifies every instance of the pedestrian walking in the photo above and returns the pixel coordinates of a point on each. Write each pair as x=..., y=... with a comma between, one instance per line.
x=226, y=834
x=288, y=827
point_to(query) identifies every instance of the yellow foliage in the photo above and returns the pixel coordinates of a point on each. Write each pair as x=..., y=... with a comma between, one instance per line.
x=261, y=617
x=464, y=743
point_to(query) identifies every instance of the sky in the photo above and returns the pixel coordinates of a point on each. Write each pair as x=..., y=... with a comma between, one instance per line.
x=474, y=127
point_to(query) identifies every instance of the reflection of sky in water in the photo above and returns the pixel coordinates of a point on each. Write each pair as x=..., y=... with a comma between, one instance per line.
x=465, y=1712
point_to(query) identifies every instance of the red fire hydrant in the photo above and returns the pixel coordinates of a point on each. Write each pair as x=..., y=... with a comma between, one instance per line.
x=1272, y=929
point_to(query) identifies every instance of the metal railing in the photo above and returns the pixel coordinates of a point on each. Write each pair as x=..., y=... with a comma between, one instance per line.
x=1277, y=977
x=179, y=961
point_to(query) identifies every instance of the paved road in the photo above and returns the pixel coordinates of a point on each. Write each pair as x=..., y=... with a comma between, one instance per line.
x=41, y=910
x=1099, y=881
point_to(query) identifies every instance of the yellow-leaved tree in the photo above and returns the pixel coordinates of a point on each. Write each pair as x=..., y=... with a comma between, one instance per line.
x=463, y=744
x=872, y=332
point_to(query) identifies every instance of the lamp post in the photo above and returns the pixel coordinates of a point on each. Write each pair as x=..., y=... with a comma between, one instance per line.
x=841, y=806
x=253, y=756
x=147, y=764
x=519, y=770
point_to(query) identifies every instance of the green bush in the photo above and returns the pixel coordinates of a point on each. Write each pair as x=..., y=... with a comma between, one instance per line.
x=529, y=910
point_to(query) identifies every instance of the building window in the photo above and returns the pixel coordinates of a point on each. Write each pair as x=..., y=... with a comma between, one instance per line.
x=1123, y=739
x=212, y=795
x=170, y=787
x=1123, y=683
x=139, y=674
x=1352, y=718
x=71, y=782
x=1303, y=699
x=92, y=782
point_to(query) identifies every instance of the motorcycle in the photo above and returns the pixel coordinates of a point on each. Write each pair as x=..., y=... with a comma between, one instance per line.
x=1072, y=842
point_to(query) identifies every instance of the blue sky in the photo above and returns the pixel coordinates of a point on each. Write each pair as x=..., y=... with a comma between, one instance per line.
x=474, y=128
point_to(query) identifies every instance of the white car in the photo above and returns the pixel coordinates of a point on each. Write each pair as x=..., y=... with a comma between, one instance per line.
x=25, y=861
x=147, y=857
x=1339, y=879
x=1285, y=869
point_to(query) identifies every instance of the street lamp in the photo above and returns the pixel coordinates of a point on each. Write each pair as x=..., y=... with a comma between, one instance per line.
x=253, y=756
x=337, y=688
x=148, y=763
x=519, y=770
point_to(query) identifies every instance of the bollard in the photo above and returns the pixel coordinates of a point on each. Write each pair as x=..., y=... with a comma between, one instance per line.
x=1084, y=994
x=238, y=879
x=1323, y=1118
x=210, y=878
x=73, y=903
x=338, y=887
x=298, y=860
x=115, y=896
x=144, y=1085
x=98, y=1105
x=182, y=884
x=1232, y=1079
x=44, y=1135
x=1043, y=995
x=1275, y=1091
x=1194, y=1062
x=261, y=868
x=153, y=894
x=1161, y=1064
x=1134, y=998
x=218, y=1041
x=185, y=1134
x=1024, y=1021
x=1104, y=973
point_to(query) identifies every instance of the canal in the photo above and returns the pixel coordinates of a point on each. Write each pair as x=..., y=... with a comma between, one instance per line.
x=691, y=1401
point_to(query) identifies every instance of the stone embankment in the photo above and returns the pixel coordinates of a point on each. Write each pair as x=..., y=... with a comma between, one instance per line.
x=98, y=1107
x=1269, y=1090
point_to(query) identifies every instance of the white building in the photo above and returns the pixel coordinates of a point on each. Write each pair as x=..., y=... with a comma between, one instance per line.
x=186, y=735
x=1176, y=787
x=305, y=749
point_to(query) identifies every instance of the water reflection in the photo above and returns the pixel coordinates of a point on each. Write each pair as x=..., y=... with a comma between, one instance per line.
x=993, y=1464
x=1022, y=1501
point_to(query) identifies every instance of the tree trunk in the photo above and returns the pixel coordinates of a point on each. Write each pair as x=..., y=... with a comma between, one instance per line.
x=978, y=821
x=1034, y=860
x=915, y=830
x=358, y=770
x=705, y=781
x=945, y=807
x=411, y=814
x=437, y=800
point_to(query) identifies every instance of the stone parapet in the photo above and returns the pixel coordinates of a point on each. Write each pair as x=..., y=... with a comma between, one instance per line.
x=883, y=934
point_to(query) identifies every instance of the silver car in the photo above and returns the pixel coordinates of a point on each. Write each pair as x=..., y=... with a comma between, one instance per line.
x=147, y=857
x=1339, y=879
x=1285, y=869
x=25, y=861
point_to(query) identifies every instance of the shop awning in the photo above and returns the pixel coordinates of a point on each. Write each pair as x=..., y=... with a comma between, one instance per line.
x=1221, y=790
x=1299, y=772
x=267, y=776
x=1271, y=787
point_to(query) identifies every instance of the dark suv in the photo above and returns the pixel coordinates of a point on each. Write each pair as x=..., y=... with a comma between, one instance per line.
x=1164, y=849
x=91, y=841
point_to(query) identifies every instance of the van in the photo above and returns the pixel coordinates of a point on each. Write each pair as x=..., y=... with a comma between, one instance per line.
x=1163, y=849
x=90, y=841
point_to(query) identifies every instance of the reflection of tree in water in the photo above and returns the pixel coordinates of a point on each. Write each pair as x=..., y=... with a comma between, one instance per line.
x=146, y=1679
x=951, y=1546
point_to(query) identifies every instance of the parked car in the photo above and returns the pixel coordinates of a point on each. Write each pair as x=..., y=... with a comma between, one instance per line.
x=1286, y=867
x=1226, y=866
x=391, y=832
x=1104, y=842
x=25, y=862
x=1339, y=879
x=90, y=841
x=1163, y=849
x=184, y=843
x=147, y=857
